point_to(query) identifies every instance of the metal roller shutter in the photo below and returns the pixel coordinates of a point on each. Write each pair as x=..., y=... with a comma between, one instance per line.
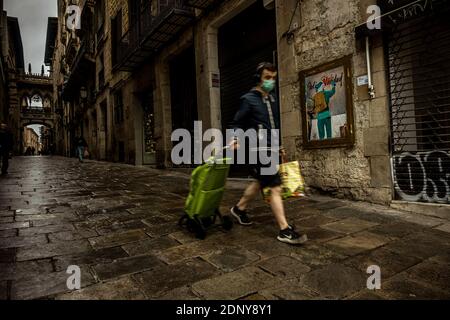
x=237, y=80
x=419, y=73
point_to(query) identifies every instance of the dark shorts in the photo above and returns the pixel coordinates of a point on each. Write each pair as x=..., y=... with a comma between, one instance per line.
x=265, y=180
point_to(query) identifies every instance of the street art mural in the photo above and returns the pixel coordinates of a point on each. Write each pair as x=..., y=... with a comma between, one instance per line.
x=327, y=110
x=325, y=100
x=422, y=176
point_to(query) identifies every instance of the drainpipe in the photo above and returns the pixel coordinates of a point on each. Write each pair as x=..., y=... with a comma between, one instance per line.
x=369, y=71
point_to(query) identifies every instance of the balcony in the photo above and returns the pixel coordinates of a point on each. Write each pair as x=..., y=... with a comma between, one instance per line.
x=36, y=110
x=34, y=78
x=72, y=49
x=35, y=113
x=81, y=60
x=152, y=32
x=85, y=52
x=202, y=4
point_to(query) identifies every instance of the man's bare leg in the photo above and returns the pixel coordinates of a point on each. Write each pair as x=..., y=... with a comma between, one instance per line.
x=287, y=233
x=249, y=195
x=239, y=211
x=276, y=202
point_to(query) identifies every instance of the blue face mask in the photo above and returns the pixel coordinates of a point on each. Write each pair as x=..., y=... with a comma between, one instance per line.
x=268, y=85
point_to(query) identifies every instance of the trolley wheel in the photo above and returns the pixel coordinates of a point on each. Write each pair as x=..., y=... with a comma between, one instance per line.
x=183, y=220
x=200, y=230
x=196, y=227
x=191, y=225
x=207, y=222
x=227, y=223
x=200, y=233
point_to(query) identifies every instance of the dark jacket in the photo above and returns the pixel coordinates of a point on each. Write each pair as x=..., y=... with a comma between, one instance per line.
x=6, y=141
x=253, y=113
x=80, y=142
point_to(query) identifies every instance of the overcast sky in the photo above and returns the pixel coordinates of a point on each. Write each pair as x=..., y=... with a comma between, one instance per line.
x=33, y=17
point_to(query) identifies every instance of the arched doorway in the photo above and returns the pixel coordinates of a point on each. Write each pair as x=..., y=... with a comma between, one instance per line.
x=37, y=139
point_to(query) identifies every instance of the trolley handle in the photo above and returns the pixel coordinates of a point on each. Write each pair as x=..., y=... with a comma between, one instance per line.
x=213, y=159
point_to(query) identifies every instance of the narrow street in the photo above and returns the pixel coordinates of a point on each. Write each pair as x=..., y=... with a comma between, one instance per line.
x=118, y=223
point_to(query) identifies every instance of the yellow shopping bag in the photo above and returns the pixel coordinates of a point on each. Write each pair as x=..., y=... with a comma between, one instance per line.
x=293, y=184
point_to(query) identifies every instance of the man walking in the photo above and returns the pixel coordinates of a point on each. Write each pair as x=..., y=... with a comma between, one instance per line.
x=259, y=110
x=6, y=144
x=81, y=146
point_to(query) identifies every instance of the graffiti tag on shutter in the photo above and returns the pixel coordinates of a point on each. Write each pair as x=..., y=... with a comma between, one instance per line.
x=422, y=176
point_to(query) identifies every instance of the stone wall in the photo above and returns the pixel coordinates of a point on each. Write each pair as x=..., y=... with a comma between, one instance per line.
x=115, y=80
x=203, y=36
x=323, y=32
x=326, y=33
x=4, y=103
x=58, y=80
x=132, y=85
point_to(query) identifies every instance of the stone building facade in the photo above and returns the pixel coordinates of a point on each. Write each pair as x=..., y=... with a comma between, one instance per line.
x=3, y=66
x=30, y=142
x=12, y=65
x=360, y=171
x=156, y=66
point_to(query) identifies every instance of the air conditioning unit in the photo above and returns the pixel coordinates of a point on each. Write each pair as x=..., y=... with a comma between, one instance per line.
x=269, y=4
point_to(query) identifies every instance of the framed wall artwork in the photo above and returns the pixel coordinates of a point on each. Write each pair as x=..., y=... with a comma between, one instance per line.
x=327, y=105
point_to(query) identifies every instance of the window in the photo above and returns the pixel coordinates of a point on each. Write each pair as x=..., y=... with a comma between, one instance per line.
x=116, y=36
x=118, y=107
x=101, y=73
x=100, y=20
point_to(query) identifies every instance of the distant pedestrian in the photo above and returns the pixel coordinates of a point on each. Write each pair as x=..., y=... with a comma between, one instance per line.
x=81, y=145
x=6, y=144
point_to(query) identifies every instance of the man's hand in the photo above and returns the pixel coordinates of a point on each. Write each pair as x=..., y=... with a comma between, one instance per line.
x=283, y=154
x=234, y=145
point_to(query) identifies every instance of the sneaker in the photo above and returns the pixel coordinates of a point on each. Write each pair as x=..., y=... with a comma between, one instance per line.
x=291, y=236
x=241, y=216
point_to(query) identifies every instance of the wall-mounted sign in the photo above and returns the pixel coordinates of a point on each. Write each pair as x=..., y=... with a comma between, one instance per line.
x=362, y=80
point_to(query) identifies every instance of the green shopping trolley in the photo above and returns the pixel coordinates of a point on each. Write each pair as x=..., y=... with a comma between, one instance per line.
x=207, y=187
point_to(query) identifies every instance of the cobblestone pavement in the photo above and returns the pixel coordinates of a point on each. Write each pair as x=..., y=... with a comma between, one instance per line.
x=119, y=224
